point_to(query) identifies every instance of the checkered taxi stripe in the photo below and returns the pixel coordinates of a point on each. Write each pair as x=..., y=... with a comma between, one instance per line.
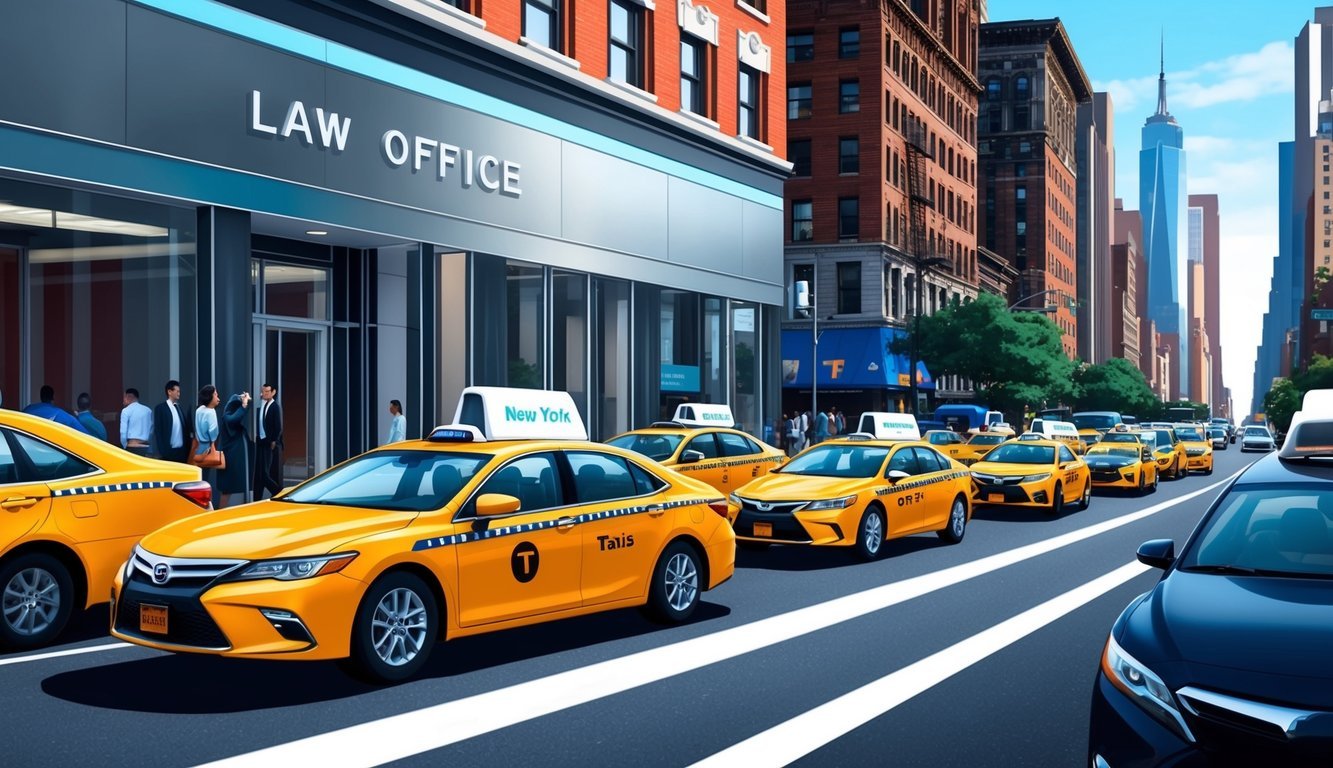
x=711, y=464
x=91, y=489
x=900, y=487
x=514, y=530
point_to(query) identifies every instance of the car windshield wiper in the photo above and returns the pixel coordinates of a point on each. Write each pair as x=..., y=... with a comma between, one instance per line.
x=1240, y=570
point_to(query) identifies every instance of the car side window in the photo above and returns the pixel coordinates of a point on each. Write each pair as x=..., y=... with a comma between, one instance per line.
x=735, y=445
x=1065, y=454
x=928, y=461
x=9, y=471
x=598, y=477
x=49, y=463
x=705, y=444
x=645, y=482
x=903, y=461
x=533, y=480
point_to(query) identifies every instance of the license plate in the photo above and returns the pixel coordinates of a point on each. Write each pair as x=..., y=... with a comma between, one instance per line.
x=763, y=529
x=995, y=498
x=153, y=618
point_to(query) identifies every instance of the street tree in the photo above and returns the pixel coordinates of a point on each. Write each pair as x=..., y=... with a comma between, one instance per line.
x=1116, y=385
x=1284, y=399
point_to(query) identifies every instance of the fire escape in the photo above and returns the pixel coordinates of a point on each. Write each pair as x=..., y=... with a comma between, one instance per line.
x=920, y=199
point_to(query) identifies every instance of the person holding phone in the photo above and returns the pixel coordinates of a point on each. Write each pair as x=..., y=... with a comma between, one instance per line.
x=234, y=442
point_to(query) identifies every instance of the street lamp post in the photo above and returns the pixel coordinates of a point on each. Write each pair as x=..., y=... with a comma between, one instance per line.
x=1033, y=296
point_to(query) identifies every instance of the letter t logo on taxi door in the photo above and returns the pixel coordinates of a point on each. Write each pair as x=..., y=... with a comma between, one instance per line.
x=524, y=562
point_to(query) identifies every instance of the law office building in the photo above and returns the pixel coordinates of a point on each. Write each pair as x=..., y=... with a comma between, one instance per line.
x=362, y=201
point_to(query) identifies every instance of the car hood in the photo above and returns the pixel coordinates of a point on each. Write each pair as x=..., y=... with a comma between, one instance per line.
x=1108, y=459
x=1010, y=470
x=271, y=529
x=1261, y=637
x=777, y=486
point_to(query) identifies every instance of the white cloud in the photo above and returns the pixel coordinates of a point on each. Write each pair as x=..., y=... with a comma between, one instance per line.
x=1238, y=78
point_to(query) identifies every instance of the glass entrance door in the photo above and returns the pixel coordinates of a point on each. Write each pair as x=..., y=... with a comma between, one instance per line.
x=292, y=358
x=11, y=334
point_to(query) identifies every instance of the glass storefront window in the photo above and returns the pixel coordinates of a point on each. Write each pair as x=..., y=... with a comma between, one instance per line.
x=745, y=342
x=715, y=354
x=611, y=361
x=292, y=291
x=569, y=337
x=110, y=297
x=679, y=338
x=508, y=316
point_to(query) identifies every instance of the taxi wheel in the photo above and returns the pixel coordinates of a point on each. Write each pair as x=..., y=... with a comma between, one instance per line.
x=1156, y=479
x=1057, y=507
x=1143, y=487
x=677, y=584
x=36, y=600
x=395, y=628
x=1183, y=470
x=957, y=525
x=1086, y=500
x=870, y=534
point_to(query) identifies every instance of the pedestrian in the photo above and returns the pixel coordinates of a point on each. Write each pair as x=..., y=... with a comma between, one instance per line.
x=171, y=430
x=268, y=450
x=206, y=433
x=841, y=420
x=136, y=424
x=793, y=428
x=780, y=430
x=234, y=442
x=821, y=427
x=397, y=424
x=804, y=427
x=85, y=416
x=47, y=409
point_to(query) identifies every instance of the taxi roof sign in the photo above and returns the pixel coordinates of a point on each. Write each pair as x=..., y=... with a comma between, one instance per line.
x=510, y=413
x=703, y=415
x=889, y=426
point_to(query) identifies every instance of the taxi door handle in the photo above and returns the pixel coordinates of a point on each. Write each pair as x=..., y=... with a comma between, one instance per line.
x=566, y=522
x=656, y=510
x=15, y=503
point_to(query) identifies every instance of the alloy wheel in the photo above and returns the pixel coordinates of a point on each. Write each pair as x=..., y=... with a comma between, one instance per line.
x=682, y=581
x=31, y=601
x=398, y=627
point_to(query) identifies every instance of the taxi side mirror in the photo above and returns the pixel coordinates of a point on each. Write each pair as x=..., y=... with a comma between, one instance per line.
x=492, y=504
x=897, y=474
x=691, y=457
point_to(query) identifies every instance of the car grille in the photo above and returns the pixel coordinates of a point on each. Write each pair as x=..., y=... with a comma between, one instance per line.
x=991, y=485
x=188, y=622
x=1106, y=475
x=178, y=571
x=1196, y=451
x=1242, y=728
x=781, y=515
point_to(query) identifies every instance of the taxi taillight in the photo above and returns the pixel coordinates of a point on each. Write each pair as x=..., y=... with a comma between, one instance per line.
x=198, y=492
x=719, y=507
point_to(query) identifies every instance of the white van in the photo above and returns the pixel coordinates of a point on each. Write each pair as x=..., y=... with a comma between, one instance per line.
x=1064, y=431
x=880, y=425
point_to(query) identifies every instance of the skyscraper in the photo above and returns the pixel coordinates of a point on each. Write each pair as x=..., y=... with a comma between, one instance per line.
x=1096, y=211
x=1162, y=200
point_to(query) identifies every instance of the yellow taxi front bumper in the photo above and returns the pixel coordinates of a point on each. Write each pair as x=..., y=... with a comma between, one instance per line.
x=824, y=528
x=1127, y=477
x=305, y=619
x=1034, y=494
x=1204, y=462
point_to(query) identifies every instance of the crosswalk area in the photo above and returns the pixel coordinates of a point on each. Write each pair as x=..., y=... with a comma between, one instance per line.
x=797, y=659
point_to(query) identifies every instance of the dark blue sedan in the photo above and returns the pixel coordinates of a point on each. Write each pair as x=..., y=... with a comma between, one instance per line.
x=1229, y=660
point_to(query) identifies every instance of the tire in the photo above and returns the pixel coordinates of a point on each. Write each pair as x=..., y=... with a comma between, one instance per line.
x=1057, y=507
x=409, y=620
x=1086, y=501
x=753, y=546
x=1156, y=478
x=870, y=533
x=676, y=586
x=956, y=526
x=1143, y=486
x=36, y=600
x=1184, y=470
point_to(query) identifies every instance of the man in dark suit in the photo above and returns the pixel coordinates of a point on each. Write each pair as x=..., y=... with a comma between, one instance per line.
x=173, y=426
x=268, y=455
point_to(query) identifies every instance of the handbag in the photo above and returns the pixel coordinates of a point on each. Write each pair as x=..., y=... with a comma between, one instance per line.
x=210, y=459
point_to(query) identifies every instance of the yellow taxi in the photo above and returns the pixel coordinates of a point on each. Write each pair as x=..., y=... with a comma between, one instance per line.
x=1198, y=447
x=700, y=443
x=506, y=518
x=1122, y=460
x=857, y=492
x=1031, y=471
x=1172, y=459
x=946, y=441
x=979, y=444
x=71, y=508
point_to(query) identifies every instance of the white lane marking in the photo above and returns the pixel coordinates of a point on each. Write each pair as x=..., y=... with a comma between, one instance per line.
x=411, y=733
x=70, y=652
x=788, y=742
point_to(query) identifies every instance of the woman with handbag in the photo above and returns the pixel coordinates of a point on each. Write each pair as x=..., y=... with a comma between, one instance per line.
x=205, y=454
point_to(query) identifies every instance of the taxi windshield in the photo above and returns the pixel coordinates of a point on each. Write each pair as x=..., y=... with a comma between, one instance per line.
x=407, y=481
x=1093, y=421
x=1188, y=433
x=657, y=446
x=1163, y=438
x=838, y=461
x=985, y=439
x=1270, y=531
x=1017, y=453
x=1119, y=437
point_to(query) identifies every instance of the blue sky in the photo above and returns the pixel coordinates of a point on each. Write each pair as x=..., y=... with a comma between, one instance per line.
x=1229, y=72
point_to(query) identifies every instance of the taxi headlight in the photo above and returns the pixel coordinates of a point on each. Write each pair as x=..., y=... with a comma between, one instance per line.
x=127, y=570
x=839, y=503
x=734, y=499
x=1143, y=687
x=1036, y=478
x=292, y=569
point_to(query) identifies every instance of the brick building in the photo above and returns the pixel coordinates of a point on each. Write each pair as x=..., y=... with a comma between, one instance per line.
x=881, y=108
x=1033, y=83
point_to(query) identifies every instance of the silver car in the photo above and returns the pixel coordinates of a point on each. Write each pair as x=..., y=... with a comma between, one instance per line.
x=1256, y=438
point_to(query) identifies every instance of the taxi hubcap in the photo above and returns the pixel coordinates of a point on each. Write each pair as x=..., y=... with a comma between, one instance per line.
x=398, y=628
x=31, y=600
x=958, y=519
x=874, y=532
x=682, y=581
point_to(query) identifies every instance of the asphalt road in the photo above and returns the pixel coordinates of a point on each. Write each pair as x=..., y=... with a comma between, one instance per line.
x=977, y=654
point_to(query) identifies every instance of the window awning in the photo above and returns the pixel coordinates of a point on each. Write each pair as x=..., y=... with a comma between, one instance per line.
x=849, y=358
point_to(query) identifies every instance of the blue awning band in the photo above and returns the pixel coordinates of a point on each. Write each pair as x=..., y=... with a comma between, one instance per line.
x=849, y=358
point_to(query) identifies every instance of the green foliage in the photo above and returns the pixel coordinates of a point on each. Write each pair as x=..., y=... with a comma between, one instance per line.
x=1284, y=399
x=1013, y=358
x=1117, y=385
x=1201, y=410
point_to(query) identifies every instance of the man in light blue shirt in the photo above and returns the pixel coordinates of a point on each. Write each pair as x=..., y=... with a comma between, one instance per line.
x=136, y=424
x=87, y=419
